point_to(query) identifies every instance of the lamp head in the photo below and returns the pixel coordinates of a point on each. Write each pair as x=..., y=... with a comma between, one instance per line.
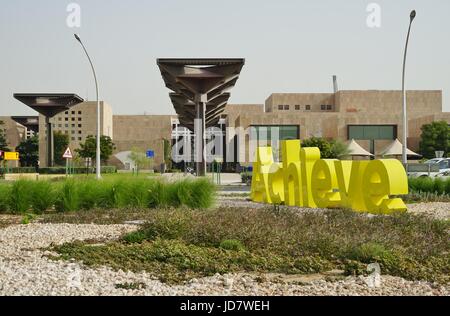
x=413, y=15
x=77, y=38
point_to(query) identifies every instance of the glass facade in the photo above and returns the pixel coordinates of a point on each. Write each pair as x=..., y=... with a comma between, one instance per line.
x=372, y=132
x=274, y=132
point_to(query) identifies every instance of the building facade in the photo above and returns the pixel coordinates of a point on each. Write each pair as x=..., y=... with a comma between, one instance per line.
x=372, y=117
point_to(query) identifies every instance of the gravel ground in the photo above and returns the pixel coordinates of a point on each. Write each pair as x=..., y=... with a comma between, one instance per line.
x=436, y=210
x=24, y=270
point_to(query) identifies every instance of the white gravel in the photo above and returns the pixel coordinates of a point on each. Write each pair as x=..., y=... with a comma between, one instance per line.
x=24, y=270
x=437, y=210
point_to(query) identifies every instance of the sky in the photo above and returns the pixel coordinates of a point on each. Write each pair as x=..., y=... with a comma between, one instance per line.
x=289, y=46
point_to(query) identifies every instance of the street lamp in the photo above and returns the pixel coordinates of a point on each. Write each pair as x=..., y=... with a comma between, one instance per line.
x=98, y=165
x=405, y=114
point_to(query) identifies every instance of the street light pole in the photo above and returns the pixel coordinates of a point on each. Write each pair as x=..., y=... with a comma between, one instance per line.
x=98, y=164
x=405, y=114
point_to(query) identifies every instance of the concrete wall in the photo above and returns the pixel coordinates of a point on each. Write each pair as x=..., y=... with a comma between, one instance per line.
x=78, y=123
x=144, y=132
x=13, y=131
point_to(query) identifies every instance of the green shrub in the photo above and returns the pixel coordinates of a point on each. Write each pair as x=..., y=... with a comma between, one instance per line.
x=68, y=197
x=5, y=193
x=429, y=185
x=42, y=196
x=232, y=244
x=86, y=194
x=369, y=253
x=136, y=237
x=20, y=197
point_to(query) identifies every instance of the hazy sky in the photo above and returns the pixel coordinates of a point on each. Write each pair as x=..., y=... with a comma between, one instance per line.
x=289, y=46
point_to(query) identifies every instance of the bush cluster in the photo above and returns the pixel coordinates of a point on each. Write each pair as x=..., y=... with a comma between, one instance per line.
x=430, y=185
x=176, y=245
x=75, y=194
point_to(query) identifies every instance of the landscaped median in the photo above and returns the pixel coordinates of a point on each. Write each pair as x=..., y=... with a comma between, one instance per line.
x=70, y=195
x=177, y=245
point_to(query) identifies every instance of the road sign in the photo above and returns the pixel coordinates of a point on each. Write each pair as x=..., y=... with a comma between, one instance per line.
x=150, y=154
x=68, y=154
x=13, y=156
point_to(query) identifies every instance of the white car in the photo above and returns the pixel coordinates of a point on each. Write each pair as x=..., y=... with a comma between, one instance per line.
x=443, y=175
x=430, y=168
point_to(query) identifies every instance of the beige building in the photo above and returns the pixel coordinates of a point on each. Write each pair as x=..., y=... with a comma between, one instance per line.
x=78, y=123
x=373, y=118
x=13, y=131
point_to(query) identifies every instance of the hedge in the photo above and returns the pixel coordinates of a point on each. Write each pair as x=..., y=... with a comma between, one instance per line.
x=23, y=196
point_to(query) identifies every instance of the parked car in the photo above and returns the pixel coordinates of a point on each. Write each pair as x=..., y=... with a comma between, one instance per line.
x=430, y=168
x=443, y=175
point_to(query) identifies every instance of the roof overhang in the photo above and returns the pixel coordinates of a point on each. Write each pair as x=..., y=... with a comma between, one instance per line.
x=30, y=122
x=49, y=104
x=191, y=78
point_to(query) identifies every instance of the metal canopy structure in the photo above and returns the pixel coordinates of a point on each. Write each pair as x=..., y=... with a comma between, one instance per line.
x=49, y=105
x=30, y=122
x=200, y=93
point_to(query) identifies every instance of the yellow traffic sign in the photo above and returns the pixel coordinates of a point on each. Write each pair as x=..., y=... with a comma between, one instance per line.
x=14, y=156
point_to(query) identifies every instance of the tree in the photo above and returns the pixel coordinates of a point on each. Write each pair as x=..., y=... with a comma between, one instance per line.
x=3, y=142
x=88, y=149
x=333, y=149
x=167, y=154
x=29, y=152
x=60, y=144
x=140, y=159
x=435, y=137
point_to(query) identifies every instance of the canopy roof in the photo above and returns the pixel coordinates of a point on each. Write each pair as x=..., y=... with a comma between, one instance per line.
x=49, y=104
x=396, y=149
x=191, y=78
x=355, y=149
x=30, y=122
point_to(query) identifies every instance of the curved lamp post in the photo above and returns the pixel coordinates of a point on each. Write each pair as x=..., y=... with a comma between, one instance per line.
x=405, y=114
x=98, y=164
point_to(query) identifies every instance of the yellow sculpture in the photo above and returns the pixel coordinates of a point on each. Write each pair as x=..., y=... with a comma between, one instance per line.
x=304, y=179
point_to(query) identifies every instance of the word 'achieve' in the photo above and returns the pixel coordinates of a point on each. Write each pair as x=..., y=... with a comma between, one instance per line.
x=305, y=180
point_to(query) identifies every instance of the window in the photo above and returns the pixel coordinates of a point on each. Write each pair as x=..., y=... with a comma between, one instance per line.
x=59, y=125
x=79, y=119
x=73, y=132
x=73, y=112
x=79, y=125
x=308, y=107
x=73, y=119
x=443, y=164
x=67, y=119
x=79, y=132
x=79, y=112
x=67, y=112
x=323, y=107
x=372, y=132
x=66, y=125
x=286, y=107
x=281, y=107
x=80, y=139
x=297, y=107
x=73, y=138
x=329, y=107
x=73, y=125
x=284, y=132
x=59, y=118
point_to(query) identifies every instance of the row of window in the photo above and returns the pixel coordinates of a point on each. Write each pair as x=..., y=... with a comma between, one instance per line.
x=73, y=112
x=67, y=125
x=67, y=119
x=298, y=107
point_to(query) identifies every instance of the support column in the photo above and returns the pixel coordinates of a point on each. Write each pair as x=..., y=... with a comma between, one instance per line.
x=200, y=107
x=50, y=148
